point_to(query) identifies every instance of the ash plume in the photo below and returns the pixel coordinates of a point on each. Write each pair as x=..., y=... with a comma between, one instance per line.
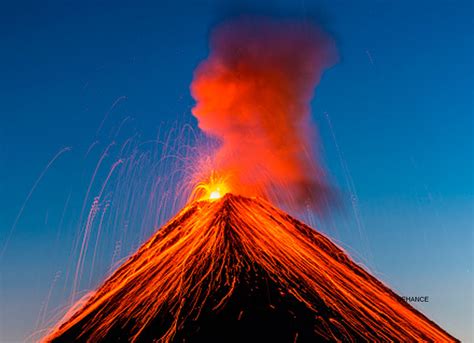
x=253, y=95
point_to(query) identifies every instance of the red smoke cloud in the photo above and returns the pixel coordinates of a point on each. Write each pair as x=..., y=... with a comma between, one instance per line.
x=253, y=94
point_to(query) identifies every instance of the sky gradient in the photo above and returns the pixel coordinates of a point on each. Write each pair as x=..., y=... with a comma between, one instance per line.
x=395, y=118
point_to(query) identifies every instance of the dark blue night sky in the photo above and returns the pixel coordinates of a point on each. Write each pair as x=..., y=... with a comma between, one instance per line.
x=395, y=116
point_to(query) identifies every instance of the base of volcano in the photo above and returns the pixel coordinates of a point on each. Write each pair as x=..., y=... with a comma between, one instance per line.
x=257, y=311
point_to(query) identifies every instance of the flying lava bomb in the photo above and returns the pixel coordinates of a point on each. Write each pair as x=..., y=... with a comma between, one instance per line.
x=230, y=266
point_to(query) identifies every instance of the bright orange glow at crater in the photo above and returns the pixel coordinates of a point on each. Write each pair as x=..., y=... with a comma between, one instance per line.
x=215, y=187
x=214, y=191
x=215, y=195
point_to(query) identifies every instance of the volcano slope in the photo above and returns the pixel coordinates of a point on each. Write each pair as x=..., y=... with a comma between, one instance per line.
x=239, y=270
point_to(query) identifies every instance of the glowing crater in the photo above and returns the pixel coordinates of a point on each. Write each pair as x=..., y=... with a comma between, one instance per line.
x=215, y=195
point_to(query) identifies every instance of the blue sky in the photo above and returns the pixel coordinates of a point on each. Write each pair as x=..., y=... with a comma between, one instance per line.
x=395, y=117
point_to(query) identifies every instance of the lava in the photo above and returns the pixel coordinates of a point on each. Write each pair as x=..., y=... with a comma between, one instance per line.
x=239, y=269
x=215, y=195
x=213, y=188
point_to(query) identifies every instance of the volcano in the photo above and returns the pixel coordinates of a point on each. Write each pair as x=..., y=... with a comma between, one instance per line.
x=237, y=269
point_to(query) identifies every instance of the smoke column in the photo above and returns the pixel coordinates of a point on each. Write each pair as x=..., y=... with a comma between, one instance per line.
x=253, y=95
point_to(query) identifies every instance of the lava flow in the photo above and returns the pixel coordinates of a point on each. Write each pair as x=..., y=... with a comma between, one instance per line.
x=239, y=269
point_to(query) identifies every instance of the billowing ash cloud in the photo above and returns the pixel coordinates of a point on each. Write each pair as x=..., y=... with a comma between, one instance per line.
x=253, y=94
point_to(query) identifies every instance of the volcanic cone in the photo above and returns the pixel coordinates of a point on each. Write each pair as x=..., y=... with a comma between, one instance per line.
x=238, y=269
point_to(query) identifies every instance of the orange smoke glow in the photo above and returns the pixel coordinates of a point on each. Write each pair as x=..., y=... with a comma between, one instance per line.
x=253, y=94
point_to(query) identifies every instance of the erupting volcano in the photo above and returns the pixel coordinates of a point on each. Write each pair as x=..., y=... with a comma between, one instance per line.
x=238, y=269
x=231, y=267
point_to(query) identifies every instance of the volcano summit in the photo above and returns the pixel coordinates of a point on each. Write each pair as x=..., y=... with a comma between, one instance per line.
x=237, y=269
